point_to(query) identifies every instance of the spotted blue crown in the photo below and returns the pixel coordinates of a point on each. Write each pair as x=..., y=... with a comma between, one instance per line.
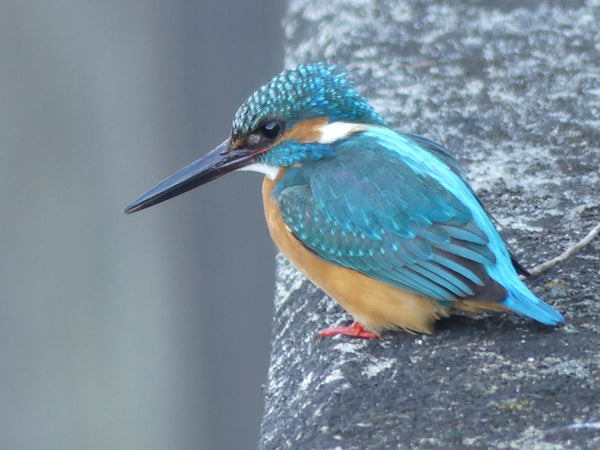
x=305, y=92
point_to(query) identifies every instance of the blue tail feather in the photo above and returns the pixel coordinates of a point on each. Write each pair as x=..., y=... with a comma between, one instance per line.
x=522, y=300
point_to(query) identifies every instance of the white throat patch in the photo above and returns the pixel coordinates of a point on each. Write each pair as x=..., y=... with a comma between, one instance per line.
x=270, y=171
x=332, y=132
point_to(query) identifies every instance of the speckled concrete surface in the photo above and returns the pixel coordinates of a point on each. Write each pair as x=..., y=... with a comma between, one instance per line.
x=514, y=92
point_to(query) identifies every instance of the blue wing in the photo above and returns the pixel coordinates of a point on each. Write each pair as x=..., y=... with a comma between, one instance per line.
x=453, y=164
x=370, y=209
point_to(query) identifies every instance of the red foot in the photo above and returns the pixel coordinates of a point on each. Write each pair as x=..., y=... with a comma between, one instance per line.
x=354, y=330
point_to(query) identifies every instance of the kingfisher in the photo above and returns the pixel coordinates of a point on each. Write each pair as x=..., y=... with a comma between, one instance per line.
x=384, y=222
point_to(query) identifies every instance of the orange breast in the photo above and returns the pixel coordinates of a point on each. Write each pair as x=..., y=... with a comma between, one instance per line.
x=376, y=305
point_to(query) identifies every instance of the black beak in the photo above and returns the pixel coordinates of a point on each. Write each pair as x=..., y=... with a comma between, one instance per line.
x=214, y=164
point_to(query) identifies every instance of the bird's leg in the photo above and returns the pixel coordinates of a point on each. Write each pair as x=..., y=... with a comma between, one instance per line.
x=354, y=330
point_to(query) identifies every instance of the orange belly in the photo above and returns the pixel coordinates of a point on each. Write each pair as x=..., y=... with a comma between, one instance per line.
x=376, y=305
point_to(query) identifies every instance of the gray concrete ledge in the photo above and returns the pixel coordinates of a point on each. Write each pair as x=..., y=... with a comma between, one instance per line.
x=514, y=92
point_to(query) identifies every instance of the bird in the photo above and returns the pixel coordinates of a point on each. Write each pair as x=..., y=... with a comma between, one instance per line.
x=384, y=222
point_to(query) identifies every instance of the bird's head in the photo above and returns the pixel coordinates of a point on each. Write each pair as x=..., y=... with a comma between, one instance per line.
x=296, y=117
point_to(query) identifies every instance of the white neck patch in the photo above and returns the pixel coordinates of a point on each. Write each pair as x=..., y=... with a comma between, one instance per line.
x=332, y=132
x=270, y=171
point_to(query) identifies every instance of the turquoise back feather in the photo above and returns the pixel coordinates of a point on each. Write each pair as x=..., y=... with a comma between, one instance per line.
x=389, y=207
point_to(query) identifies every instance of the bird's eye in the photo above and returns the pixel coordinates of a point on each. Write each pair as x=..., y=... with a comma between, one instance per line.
x=272, y=129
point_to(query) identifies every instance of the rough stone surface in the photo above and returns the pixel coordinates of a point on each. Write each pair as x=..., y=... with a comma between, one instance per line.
x=513, y=89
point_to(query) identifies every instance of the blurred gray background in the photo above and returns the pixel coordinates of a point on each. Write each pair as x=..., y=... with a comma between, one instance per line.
x=142, y=332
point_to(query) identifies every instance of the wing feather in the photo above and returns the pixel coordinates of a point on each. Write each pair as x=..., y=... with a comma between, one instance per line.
x=368, y=210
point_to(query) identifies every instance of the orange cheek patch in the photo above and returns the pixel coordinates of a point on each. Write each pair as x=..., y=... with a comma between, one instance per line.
x=305, y=131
